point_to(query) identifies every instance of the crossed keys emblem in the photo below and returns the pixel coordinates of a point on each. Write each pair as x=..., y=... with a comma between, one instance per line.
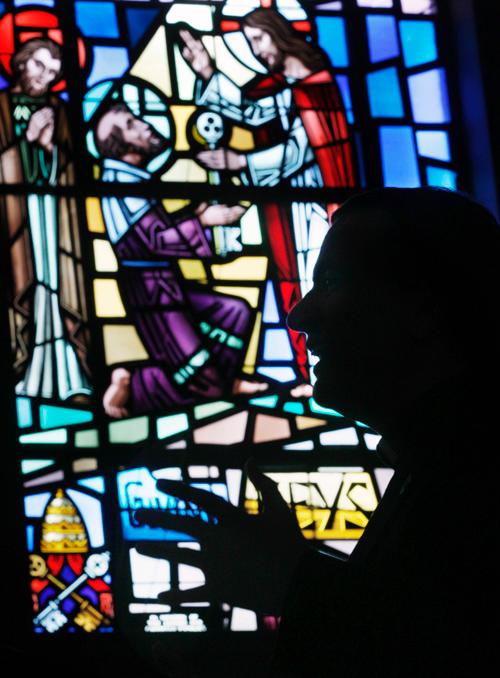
x=52, y=618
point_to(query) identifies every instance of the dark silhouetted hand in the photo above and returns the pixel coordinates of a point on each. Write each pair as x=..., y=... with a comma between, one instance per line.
x=248, y=560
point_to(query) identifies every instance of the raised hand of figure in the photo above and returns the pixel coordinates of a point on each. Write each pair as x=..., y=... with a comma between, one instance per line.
x=41, y=127
x=222, y=159
x=219, y=215
x=196, y=55
x=248, y=560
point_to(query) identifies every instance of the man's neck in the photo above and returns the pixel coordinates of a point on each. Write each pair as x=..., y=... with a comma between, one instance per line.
x=423, y=429
x=294, y=68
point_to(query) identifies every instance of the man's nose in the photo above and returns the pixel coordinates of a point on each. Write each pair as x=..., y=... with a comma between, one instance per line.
x=299, y=316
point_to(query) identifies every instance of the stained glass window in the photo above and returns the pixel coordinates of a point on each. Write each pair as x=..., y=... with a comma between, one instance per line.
x=168, y=171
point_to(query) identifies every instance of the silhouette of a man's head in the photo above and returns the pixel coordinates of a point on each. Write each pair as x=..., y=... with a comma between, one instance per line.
x=406, y=293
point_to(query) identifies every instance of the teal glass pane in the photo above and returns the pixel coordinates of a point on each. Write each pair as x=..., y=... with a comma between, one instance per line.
x=418, y=39
x=97, y=19
x=57, y=436
x=439, y=176
x=384, y=94
x=382, y=37
x=169, y=426
x=31, y=465
x=265, y=401
x=24, y=414
x=429, y=96
x=331, y=37
x=399, y=157
x=293, y=407
x=52, y=416
x=434, y=144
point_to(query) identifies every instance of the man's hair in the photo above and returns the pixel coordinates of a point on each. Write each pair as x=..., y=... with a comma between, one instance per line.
x=114, y=145
x=286, y=39
x=440, y=241
x=25, y=53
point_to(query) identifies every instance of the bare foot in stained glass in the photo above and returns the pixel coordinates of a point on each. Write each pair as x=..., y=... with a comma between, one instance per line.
x=302, y=391
x=242, y=386
x=117, y=394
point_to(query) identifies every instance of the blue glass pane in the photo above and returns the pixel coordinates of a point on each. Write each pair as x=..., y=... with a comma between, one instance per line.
x=30, y=537
x=96, y=483
x=429, y=96
x=419, y=42
x=331, y=37
x=139, y=20
x=97, y=19
x=44, y=3
x=438, y=176
x=109, y=62
x=90, y=510
x=282, y=374
x=384, y=94
x=399, y=158
x=270, y=314
x=434, y=144
x=345, y=91
x=277, y=345
x=24, y=415
x=382, y=37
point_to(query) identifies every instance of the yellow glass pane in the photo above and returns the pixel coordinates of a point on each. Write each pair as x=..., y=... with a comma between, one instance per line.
x=241, y=139
x=250, y=294
x=105, y=260
x=174, y=204
x=108, y=302
x=309, y=422
x=181, y=115
x=185, y=170
x=122, y=344
x=253, y=345
x=152, y=65
x=243, y=268
x=95, y=221
x=192, y=269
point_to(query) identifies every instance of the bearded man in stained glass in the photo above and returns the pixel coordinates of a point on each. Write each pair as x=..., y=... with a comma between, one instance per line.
x=194, y=337
x=35, y=147
x=299, y=104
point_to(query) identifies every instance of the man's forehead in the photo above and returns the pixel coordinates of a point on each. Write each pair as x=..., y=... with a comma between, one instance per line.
x=351, y=241
x=43, y=54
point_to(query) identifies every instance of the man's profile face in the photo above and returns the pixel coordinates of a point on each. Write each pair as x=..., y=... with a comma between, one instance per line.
x=137, y=134
x=355, y=324
x=264, y=48
x=39, y=72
